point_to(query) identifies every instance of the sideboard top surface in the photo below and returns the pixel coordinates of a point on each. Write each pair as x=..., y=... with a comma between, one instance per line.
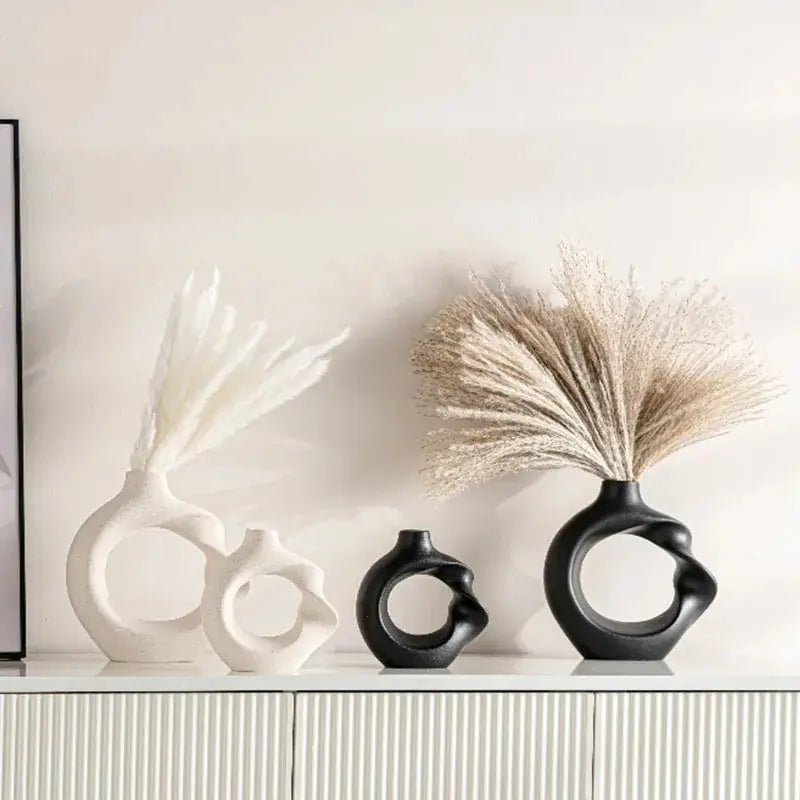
x=361, y=673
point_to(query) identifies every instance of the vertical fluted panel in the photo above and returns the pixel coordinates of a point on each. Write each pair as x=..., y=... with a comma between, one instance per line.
x=697, y=746
x=145, y=746
x=443, y=746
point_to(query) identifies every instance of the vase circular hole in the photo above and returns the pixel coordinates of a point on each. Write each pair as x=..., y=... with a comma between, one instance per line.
x=419, y=604
x=140, y=576
x=627, y=579
x=269, y=608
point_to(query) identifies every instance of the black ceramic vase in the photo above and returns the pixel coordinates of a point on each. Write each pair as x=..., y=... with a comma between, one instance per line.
x=619, y=509
x=413, y=554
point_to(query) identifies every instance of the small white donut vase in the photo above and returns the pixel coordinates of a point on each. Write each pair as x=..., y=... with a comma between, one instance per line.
x=261, y=553
x=145, y=501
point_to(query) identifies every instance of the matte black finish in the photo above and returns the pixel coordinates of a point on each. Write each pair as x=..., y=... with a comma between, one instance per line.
x=415, y=555
x=619, y=508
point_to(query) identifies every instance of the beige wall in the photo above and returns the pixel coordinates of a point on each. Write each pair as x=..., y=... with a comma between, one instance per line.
x=344, y=163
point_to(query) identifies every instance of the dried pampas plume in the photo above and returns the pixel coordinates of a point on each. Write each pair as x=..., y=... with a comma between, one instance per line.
x=210, y=380
x=607, y=381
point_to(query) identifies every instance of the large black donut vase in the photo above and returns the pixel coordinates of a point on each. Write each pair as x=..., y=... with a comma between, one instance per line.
x=619, y=509
x=414, y=554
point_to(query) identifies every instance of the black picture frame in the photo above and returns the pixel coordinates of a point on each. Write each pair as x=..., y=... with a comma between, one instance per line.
x=18, y=653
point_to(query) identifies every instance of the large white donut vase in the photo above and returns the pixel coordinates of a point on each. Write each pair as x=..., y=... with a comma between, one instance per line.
x=145, y=501
x=261, y=553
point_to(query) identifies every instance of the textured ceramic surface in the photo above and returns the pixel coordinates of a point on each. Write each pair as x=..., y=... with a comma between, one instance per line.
x=619, y=509
x=145, y=501
x=414, y=554
x=261, y=553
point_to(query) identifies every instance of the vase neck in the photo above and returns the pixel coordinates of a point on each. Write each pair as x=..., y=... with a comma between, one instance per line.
x=141, y=480
x=620, y=492
x=418, y=541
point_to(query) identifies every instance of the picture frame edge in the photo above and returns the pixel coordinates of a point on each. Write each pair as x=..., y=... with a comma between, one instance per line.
x=18, y=655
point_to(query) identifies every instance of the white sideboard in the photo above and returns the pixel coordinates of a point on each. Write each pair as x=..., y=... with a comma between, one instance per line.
x=118, y=746
x=433, y=745
x=703, y=745
x=489, y=729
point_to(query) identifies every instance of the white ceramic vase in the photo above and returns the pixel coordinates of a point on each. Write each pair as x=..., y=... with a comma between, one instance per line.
x=261, y=553
x=145, y=501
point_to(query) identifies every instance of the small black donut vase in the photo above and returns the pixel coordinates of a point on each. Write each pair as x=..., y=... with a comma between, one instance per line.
x=415, y=555
x=619, y=509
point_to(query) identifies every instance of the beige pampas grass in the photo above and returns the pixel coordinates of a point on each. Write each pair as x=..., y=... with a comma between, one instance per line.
x=211, y=380
x=608, y=381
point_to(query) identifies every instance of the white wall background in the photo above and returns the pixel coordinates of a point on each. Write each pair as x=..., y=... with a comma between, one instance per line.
x=345, y=162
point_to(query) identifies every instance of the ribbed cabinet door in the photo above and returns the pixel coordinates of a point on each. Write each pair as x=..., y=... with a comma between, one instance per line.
x=145, y=746
x=443, y=746
x=697, y=746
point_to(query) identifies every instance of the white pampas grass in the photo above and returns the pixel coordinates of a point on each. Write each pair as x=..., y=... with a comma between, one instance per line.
x=210, y=381
x=607, y=381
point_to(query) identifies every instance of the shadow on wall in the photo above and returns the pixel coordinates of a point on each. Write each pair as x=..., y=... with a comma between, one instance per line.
x=338, y=472
x=46, y=327
x=349, y=442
